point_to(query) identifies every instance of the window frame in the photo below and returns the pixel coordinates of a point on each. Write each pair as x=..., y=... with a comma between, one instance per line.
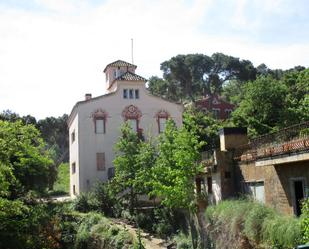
x=101, y=162
x=95, y=125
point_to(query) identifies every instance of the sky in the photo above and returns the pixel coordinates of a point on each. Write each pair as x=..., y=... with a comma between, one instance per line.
x=52, y=52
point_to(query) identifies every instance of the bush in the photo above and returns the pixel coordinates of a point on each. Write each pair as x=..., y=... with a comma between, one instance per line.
x=244, y=222
x=85, y=202
x=305, y=221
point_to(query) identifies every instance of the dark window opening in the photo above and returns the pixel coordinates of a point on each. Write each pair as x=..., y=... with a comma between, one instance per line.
x=299, y=195
x=131, y=93
x=209, y=185
x=136, y=93
x=125, y=93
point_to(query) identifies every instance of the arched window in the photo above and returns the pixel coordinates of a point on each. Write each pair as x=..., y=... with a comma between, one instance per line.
x=162, y=117
x=99, y=120
x=132, y=114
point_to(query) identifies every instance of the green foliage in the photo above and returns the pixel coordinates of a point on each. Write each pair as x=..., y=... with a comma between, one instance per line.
x=102, y=198
x=249, y=221
x=62, y=184
x=133, y=163
x=268, y=104
x=176, y=166
x=95, y=231
x=305, y=221
x=26, y=164
x=204, y=126
x=183, y=241
x=194, y=75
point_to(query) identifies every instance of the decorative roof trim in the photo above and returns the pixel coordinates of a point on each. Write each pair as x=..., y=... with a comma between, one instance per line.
x=119, y=63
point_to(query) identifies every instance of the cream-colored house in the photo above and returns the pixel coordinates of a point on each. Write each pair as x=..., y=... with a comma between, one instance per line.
x=94, y=124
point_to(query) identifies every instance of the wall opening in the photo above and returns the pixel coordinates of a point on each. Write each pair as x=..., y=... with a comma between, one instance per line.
x=298, y=188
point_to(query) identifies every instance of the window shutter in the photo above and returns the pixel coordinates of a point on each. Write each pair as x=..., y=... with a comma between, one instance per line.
x=101, y=161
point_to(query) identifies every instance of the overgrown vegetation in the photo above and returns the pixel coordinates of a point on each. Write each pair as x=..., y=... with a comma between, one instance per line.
x=248, y=224
x=62, y=183
x=305, y=221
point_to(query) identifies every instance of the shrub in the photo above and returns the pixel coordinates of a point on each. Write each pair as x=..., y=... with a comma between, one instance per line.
x=183, y=241
x=95, y=231
x=244, y=222
x=85, y=202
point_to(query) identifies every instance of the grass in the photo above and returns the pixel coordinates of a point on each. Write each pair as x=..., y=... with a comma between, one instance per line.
x=236, y=221
x=62, y=184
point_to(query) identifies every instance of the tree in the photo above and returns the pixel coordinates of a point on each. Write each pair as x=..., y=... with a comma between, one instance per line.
x=196, y=75
x=176, y=167
x=25, y=163
x=134, y=159
x=269, y=104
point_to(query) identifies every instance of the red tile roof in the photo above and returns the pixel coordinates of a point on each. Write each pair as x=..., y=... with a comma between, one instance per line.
x=119, y=63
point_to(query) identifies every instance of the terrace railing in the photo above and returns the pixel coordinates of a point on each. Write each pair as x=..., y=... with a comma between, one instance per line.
x=288, y=140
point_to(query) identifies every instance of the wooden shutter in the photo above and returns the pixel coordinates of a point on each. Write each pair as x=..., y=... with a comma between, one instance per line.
x=101, y=161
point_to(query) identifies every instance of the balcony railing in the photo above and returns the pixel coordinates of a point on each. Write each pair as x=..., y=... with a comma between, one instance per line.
x=291, y=139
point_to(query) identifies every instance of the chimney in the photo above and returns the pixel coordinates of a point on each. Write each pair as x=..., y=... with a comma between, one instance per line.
x=88, y=96
x=232, y=137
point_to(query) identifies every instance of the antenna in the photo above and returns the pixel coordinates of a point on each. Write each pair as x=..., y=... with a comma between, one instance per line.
x=132, y=50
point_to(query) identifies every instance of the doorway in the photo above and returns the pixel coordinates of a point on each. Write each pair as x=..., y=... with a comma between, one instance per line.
x=299, y=195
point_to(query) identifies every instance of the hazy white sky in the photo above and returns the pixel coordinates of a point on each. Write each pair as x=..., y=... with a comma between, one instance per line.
x=52, y=52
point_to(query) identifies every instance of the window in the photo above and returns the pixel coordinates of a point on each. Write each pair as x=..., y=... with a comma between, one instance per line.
x=99, y=119
x=125, y=93
x=110, y=173
x=88, y=184
x=101, y=161
x=228, y=113
x=133, y=123
x=162, y=122
x=72, y=136
x=216, y=113
x=162, y=117
x=256, y=189
x=73, y=168
x=131, y=93
x=136, y=93
x=74, y=191
x=99, y=125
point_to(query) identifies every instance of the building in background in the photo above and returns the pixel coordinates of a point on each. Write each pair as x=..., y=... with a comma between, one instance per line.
x=216, y=105
x=94, y=123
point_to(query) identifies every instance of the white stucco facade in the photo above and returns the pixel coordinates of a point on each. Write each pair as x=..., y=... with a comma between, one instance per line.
x=127, y=98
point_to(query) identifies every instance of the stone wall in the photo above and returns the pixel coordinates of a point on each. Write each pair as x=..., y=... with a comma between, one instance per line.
x=277, y=180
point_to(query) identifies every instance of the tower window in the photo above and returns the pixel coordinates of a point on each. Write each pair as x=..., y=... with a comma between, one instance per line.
x=125, y=93
x=131, y=93
x=136, y=93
